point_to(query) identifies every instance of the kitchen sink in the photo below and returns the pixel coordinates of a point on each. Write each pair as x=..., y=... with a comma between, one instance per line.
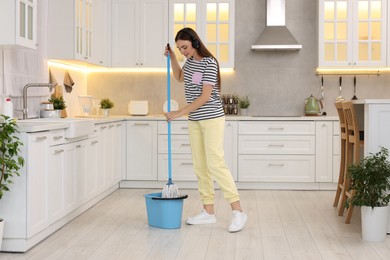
x=78, y=127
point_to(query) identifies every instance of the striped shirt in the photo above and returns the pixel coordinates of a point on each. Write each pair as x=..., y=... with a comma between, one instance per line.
x=197, y=73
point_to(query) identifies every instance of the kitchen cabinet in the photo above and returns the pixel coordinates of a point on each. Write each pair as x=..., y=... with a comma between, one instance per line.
x=139, y=33
x=276, y=151
x=213, y=20
x=18, y=23
x=141, y=150
x=352, y=33
x=37, y=185
x=81, y=28
x=336, y=151
x=324, y=151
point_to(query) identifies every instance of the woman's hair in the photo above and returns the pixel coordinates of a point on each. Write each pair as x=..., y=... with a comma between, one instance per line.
x=188, y=34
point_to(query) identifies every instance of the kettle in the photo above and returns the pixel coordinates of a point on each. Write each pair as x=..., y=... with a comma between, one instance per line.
x=312, y=107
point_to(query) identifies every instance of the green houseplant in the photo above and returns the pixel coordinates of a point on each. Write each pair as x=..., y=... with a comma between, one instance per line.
x=244, y=102
x=58, y=102
x=371, y=185
x=10, y=160
x=105, y=105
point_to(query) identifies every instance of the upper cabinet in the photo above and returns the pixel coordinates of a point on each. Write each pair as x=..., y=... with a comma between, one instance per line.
x=79, y=30
x=18, y=23
x=213, y=20
x=139, y=33
x=352, y=33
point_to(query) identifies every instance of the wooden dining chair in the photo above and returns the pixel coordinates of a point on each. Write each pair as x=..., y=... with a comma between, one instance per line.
x=352, y=155
x=343, y=166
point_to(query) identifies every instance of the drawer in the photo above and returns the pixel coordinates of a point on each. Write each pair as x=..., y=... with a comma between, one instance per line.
x=177, y=127
x=57, y=137
x=179, y=144
x=261, y=144
x=182, y=167
x=276, y=168
x=276, y=128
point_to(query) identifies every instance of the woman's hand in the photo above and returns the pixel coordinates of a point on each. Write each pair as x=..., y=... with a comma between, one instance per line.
x=172, y=115
x=169, y=50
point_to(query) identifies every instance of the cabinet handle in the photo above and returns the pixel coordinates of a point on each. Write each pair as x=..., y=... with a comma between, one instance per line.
x=103, y=127
x=78, y=146
x=118, y=124
x=111, y=126
x=276, y=145
x=94, y=142
x=58, y=137
x=40, y=138
x=276, y=128
x=141, y=124
x=184, y=127
x=185, y=145
x=186, y=164
x=58, y=151
x=276, y=164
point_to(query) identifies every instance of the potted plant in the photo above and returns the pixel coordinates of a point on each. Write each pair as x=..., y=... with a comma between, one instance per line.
x=58, y=103
x=10, y=160
x=105, y=105
x=243, y=103
x=371, y=186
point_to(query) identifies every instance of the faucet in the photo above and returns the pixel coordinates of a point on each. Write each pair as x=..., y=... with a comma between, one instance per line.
x=36, y=85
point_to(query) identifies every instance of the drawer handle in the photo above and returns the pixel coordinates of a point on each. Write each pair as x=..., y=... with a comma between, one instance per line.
x=111, y=126
x=78, y=146
x=186, y=164
x=58, y=137
x=184, y=127
x=118, y=124
x=40, y=138
x=185, y=145
x=59, y=151
x=103, y=127
x=94, y=142
x=276, y=164
x=276, y=145
x=276, y=128
x=141, y=124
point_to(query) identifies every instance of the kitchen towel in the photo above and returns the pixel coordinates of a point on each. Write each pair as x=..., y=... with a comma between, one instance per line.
x=68, y=82
x=52, y=79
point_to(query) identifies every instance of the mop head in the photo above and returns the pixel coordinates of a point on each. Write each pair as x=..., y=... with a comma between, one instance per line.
x=170, y=191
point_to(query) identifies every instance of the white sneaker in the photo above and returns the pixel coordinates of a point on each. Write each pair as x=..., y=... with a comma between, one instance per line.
x=202, y=218
x=238, y=221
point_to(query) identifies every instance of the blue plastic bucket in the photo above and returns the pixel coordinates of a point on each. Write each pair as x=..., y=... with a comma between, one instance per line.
x=164, y=213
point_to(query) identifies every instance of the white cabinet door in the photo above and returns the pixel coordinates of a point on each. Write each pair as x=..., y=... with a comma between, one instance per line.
x=139, y=33
x=80, y=171
x=37, y=186
x=56, y=178
x=324, y=151
x=230, y=146
x=118, y=151
x=18, y=23
x=92, y=167
x=141, y=155
x=352, y=33
x=101, y=33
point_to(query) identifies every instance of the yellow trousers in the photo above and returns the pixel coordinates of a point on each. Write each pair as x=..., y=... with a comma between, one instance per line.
x=207, y=138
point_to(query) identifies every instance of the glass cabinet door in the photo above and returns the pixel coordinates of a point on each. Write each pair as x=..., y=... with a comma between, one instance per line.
x=370, y=32
x=213, y=20
x=26, y=23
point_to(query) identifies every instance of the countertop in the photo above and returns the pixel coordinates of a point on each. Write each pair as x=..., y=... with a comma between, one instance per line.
x=37, y=125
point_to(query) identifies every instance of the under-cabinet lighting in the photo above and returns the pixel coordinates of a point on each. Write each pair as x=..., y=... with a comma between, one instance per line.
x=349, y=71
x=92, y=68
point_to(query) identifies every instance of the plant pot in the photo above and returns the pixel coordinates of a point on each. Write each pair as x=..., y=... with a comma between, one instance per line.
x=1, y=231
x=243, y=111
x=374, y=223
x=106, y=112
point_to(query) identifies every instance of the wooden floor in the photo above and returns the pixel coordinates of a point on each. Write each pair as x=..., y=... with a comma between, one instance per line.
x=281, y=225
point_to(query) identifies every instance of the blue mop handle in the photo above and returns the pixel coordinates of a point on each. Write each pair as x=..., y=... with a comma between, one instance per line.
x=169, y=110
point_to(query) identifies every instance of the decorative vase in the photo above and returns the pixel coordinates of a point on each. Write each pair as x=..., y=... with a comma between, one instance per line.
x=374, y=223
x=106, y=112
x=243, y=111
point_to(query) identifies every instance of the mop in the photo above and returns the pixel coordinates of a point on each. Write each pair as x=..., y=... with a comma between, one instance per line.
x=170, y=190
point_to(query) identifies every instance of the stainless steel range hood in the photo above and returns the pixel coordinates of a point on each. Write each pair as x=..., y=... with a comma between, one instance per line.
x=276, y=36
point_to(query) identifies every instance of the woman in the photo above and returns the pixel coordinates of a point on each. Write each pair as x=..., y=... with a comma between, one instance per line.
x=206, y=125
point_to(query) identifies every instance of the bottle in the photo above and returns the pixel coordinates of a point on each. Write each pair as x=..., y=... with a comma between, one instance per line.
x=8, y=108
